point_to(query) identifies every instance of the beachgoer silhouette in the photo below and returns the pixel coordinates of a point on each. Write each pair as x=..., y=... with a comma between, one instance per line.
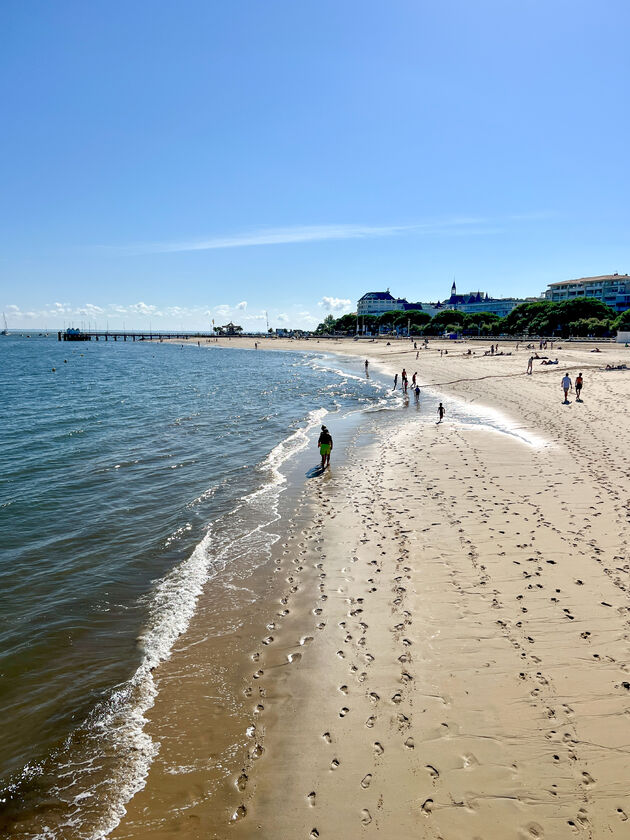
x=578, y=387
x=529, y=364
x=325, y=444
x=567, y=385
x=395, y=381
x=441, y=412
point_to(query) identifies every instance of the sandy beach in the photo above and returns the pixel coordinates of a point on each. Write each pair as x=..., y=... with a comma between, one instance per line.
x=438, y=647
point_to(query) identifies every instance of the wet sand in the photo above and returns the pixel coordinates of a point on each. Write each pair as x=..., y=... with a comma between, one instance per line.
x=438, y=647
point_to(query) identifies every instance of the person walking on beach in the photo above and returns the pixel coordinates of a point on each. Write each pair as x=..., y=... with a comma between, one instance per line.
x=395, y=381
x=567, y=385
x=530, y=364
x=325, y=444
x=366, y=365
x=417, y=394
x=578, y=387
x=441, y=412
x=413, y=379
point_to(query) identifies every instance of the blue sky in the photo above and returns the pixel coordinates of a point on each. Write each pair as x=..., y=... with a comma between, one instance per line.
x=175, y=162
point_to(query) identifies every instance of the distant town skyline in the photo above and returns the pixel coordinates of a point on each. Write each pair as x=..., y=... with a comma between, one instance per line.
x=244, y=161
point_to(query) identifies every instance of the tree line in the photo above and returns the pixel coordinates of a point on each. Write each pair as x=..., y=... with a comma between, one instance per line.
x=577, y=317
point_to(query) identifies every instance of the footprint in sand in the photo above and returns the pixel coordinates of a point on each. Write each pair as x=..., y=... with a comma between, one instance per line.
x=379, y=749
x=311, y=798
x=427, y=806
x=366, y=817
x=533, y=831
x=334, y=764
x=366, y=781
x=240, y=812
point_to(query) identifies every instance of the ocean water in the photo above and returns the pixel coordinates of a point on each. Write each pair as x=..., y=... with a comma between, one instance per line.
x=128, y=476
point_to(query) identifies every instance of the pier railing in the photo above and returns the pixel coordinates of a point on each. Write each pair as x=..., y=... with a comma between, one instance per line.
x=123, y=335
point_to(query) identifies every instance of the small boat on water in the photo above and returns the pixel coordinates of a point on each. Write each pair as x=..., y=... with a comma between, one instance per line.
x=5, y=331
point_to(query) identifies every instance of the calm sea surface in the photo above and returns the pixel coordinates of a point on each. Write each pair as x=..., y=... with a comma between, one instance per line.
x=122, y=475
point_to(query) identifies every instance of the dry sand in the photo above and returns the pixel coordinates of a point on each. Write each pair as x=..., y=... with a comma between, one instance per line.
x=440, y=648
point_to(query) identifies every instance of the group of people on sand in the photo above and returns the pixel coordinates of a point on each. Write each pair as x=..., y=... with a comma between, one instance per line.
x=404, y=383
x=325, y=441
x=567, y=386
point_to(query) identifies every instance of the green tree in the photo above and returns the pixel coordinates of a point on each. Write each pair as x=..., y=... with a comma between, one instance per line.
x=474, y=319
x=417, y=317
x=622, y=321
x=327, y=325
x=447, y=318
x=347, y=323
x=370, y=322
x=545, y=317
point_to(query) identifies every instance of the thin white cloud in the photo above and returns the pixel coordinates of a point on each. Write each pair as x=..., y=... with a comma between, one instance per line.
x=278, y=236
x=310, y=233
x=242, y=305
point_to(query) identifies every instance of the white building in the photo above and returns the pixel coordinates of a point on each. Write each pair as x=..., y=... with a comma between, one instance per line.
x=497, y=306
x=612, y=289
x=375, y=303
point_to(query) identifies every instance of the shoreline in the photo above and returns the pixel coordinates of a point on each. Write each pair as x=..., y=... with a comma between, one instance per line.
x=469, y=677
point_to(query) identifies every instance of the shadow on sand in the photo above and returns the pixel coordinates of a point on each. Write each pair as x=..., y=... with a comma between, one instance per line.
x=315, y=471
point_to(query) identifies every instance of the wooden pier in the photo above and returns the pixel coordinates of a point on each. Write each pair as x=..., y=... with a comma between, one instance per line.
x=109, y=335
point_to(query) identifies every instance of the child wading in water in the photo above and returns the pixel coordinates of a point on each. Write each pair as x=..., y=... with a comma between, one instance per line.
x=325, y=444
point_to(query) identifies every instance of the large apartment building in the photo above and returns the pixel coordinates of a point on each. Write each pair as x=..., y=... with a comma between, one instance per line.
x=481, y=302
x=375, y=303
x=612, y=289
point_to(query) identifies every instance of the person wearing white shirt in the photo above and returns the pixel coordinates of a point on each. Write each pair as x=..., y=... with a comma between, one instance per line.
x=567, y=385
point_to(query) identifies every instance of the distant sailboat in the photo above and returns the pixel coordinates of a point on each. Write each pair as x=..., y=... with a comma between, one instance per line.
x=5, y=331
